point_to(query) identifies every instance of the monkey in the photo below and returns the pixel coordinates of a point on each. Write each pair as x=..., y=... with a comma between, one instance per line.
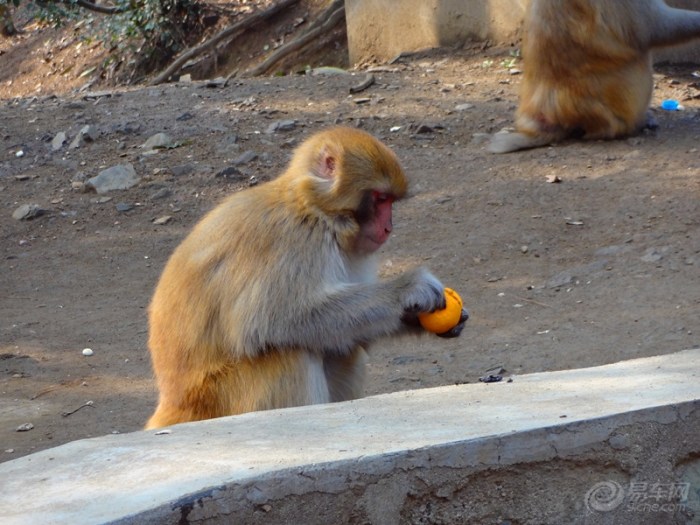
x=272, y=299
x=587, y=68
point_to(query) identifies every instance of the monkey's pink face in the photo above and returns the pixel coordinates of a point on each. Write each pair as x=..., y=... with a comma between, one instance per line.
x=375, y=222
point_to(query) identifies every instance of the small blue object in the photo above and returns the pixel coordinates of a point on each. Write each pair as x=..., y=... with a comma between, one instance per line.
x=669, y=105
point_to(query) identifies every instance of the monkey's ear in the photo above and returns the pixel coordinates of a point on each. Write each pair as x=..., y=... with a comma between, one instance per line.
x=327, y=164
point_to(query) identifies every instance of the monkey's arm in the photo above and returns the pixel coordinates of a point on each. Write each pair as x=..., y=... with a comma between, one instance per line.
x=346, y=315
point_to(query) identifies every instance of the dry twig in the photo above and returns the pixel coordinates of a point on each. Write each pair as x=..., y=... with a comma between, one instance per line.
x=86, y=404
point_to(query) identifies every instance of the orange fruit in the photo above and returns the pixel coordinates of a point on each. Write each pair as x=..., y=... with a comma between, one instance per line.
x=441, y=321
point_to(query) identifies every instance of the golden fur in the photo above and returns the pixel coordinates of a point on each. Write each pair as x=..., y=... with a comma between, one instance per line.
x=587, y=68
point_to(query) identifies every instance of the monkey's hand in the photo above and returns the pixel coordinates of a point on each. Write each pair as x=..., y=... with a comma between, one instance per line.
x=457, y=329
x=422, y=292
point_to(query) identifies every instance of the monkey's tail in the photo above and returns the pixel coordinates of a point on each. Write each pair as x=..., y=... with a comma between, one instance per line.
x=505, y=142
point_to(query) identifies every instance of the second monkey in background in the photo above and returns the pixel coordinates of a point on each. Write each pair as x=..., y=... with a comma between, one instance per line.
x=587, y=68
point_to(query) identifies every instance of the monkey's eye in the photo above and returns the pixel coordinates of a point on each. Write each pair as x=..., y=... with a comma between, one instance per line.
x=380, y=197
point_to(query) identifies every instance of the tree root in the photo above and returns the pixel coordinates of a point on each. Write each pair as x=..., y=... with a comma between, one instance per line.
x=229, y=32
x=327, y=21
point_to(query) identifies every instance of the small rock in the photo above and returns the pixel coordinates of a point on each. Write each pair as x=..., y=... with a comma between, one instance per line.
x=561, y=279
x=124, y=207
x=245, y=158
x=58, y=141
x=24, y=427
x=231, y=172
x=327, y=71
x=89, y=133
x=119, y=177
x=281, y=125
x=98, y=94
x=217, y=82
x=165, y=219
x=571, y=276
x=88, y=351
x=27, y=211
x=86, y=134
x=611, y=250
x=185, y=117
x=182, y=169
x=464, y=107
x=161, y=194
x=229, y=141
x=158, y=141
x=495, y=371
x=655, y=254
x=77, y=142
x=127, y=128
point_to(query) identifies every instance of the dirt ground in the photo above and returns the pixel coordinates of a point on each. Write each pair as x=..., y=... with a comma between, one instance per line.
x=599, y=267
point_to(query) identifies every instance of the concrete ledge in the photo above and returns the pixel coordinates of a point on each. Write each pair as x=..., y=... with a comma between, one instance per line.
x=381, y=29
x=531, y=450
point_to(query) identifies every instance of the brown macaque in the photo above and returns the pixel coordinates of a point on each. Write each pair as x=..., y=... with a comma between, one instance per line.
x=587, y=68
x=272, y=299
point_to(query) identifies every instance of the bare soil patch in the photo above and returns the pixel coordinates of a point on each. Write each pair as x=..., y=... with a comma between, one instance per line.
x=599, y=267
